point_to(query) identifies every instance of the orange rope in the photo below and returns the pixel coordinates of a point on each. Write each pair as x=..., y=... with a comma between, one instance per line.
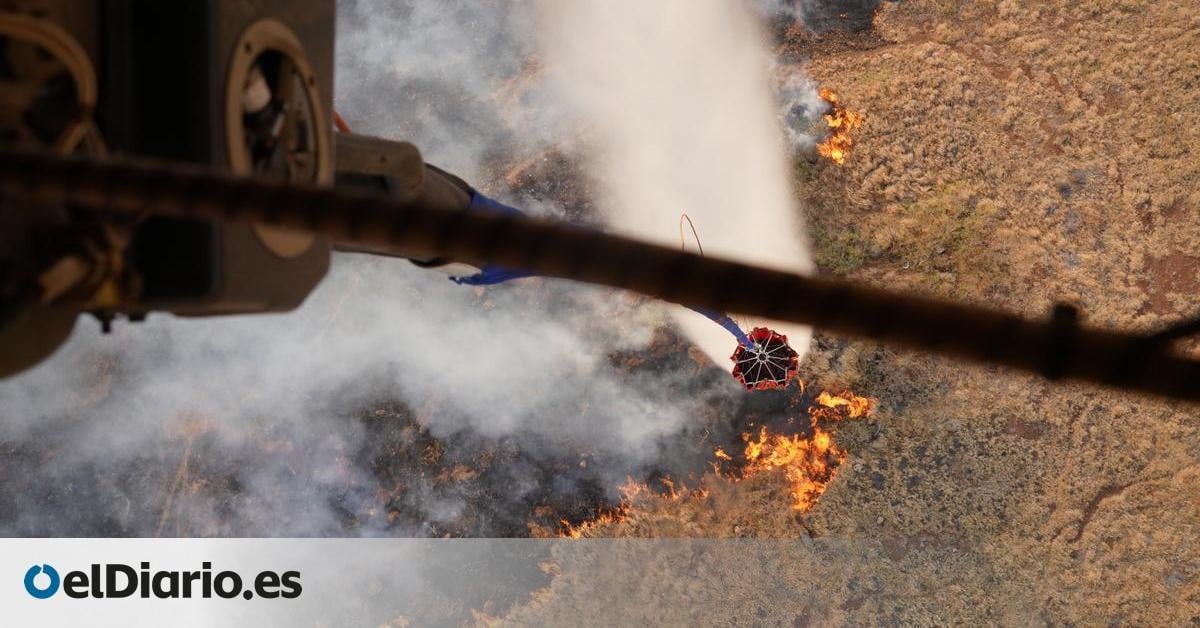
x=340, y=123
x=682, y=243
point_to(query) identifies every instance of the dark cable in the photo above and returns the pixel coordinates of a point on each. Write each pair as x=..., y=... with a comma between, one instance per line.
x=1059, y=348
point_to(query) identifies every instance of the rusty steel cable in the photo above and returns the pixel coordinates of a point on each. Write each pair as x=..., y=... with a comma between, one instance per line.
x=1059, y=348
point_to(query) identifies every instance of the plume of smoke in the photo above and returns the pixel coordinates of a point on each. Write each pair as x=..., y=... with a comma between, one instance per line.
x=679, y=95
x=801, y=111
x=248, y=425
x=96, y=436
x=433, y=73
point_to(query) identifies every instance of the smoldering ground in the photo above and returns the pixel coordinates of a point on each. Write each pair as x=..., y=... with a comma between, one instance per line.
x=392, y=402
x=821, y=16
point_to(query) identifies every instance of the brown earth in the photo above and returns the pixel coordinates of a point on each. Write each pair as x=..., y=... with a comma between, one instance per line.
x=1015, y=154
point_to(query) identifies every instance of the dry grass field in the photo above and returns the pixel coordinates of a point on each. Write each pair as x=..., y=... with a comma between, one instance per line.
x=1014, y=154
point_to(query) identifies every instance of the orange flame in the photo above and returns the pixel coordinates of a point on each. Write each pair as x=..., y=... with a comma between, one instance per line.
x=808, y=463
x=842, y=122
x=631, y=492
x=616, y=515
x=855, y=406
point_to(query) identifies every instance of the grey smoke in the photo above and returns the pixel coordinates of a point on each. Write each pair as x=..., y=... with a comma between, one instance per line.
x=680, y=96
x=266, y=410
x=110, y=416
x=801, y=110
x=433, y=72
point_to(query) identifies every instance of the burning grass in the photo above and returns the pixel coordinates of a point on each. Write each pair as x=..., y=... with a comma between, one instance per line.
x=808, y=462
x=842, y=124
x=632, y=492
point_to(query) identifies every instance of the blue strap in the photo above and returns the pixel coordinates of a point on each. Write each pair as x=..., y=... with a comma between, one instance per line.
x=491, y=274
x=724, y=321
x=481, y=203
